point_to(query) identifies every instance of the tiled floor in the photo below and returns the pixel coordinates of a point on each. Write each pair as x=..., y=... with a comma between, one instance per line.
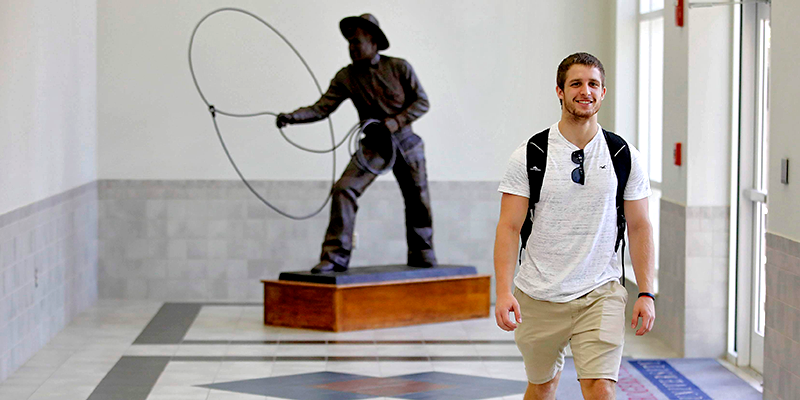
x=140, y=350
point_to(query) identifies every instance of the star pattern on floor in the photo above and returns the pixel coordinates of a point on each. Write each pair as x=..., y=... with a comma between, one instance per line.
x=340, y=386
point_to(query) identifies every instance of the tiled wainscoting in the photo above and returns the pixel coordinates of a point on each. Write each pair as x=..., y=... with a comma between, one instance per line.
x=214, y=240
x=48, y=255
x=782, y=341
x=693, y=279
x=671, y=272
x=707, y=244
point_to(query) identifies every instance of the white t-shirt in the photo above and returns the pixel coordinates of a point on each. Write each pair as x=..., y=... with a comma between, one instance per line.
x=571, y=248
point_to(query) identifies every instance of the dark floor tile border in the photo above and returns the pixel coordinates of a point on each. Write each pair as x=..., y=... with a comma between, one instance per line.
x=340, y=358
x=459, y=358
x=470, y=342
x=173, y=320
x=400, y=341
x=131, y=378
x=298, y=358
x=352, y=359
x=405, y=358
x=353, y=342
x=309, y=342
x=170, y=324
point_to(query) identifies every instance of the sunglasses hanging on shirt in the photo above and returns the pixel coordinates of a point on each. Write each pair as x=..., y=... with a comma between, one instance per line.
x=577, y=173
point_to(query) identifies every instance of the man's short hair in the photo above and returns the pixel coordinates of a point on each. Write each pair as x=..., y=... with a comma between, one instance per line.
x=578, y=58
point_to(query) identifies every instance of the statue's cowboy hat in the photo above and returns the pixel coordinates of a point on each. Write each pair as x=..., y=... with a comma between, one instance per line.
x=367, y=22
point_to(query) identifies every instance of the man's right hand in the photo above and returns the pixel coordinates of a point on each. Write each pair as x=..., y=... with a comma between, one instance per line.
x=505, y=304
x=283, y=120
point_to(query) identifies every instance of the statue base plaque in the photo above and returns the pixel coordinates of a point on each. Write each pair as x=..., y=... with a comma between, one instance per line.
x=376, y=297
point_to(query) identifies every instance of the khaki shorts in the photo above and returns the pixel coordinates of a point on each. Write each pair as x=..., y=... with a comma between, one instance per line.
x=593, y=325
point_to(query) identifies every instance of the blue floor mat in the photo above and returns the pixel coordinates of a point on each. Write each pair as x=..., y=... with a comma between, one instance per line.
x=669, y=379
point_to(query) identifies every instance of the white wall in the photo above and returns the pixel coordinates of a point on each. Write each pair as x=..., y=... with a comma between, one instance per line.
x=676, y=99
x=697, y=106
x=625, y=78
x=488, y=67
x=707, y=155
x=784, y=200
x=48, y=107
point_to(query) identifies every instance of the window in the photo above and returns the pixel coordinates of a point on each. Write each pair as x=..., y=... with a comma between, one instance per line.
x=651, y=84
x=646, y=6
x=650, y=91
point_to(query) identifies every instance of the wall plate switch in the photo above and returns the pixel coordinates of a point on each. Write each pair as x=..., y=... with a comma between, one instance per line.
x=785, y=171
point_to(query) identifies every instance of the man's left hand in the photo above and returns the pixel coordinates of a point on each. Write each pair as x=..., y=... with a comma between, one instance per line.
x=646, y=310
x=391, y=124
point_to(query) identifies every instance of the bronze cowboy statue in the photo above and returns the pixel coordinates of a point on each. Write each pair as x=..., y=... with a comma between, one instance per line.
x=385, y=89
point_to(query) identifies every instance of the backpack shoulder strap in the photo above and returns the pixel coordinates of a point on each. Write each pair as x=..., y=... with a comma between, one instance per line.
x=621, y=159
x=536, y=163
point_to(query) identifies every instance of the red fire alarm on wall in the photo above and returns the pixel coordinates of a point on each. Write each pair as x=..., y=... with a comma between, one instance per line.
x=679, y=12
x=677, y=154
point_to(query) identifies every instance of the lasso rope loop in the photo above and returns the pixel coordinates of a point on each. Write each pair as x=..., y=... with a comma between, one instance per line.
x=354, y=134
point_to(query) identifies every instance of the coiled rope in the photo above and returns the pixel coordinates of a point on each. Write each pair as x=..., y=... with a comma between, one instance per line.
x=355, y=133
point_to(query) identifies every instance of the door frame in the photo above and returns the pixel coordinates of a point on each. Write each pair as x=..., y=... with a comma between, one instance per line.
x=743, y=272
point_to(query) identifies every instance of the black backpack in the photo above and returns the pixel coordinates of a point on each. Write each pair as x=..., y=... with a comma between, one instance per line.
x=536, y=154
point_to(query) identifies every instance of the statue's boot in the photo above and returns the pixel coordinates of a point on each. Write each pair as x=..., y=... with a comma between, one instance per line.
x=422, y=264
x=326, y=266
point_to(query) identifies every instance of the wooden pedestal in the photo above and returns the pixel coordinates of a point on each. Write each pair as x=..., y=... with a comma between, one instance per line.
x=348, y=307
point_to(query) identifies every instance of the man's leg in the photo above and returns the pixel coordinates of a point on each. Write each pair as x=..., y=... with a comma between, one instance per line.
x=598, y=339
x=339, y=236
x=545, y=391
x=598, y=389
x=542, y=338
x=409, y=169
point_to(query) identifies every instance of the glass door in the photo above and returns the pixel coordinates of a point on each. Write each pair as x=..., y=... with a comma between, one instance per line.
x=752, y=186
x=758, y=195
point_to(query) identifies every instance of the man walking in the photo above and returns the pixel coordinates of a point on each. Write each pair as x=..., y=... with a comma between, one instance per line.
x=385, y=89
x=567, y=290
